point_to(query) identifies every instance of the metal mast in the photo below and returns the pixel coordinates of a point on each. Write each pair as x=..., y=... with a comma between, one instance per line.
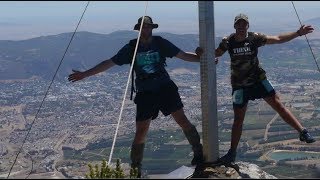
x=208, y=82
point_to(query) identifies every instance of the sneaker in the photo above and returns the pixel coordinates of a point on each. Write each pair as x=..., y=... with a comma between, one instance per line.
x=305, y=136
x=230, y=157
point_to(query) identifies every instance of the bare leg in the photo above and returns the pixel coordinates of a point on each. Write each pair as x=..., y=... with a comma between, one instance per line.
x=142, y=128
x=286, y=115
x=182, y=119
x=191, y=134
x=239, y=114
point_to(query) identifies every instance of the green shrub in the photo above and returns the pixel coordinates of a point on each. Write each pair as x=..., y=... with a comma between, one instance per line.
x=107, y=172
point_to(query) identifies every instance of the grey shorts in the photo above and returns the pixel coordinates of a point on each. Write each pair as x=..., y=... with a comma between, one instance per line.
x=262, y=89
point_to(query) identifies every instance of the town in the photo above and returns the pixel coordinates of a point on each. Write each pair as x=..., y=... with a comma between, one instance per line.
x=77, y=122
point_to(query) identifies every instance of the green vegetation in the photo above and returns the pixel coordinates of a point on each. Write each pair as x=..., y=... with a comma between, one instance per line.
x=281, y=137
x=298, y=172
x=280, y=128
x=311, y=123
x=161, y=154
x=106, y=172
x=167, y=150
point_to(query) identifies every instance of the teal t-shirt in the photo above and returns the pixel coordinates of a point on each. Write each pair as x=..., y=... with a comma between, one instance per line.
x=149, y=64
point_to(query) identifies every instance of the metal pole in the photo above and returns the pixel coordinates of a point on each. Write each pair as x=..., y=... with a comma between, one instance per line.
x=208, y=82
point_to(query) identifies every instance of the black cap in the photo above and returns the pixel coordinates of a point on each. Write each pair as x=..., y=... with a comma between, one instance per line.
x=146, y=20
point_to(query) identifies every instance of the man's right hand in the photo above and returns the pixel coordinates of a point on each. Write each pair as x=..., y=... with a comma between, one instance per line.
x=199, y=51
x=76, y=76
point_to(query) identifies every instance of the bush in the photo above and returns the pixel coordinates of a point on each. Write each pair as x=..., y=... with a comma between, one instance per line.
x=107, y=172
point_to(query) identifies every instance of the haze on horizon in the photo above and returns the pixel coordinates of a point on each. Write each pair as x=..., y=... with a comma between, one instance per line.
x=28, y=19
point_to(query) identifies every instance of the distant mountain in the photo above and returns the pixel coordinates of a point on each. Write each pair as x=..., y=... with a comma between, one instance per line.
x=314, y=21
x=41, y=56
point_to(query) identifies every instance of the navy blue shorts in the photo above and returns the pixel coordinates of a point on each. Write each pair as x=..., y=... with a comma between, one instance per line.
x=167, y=100
x=262, y=89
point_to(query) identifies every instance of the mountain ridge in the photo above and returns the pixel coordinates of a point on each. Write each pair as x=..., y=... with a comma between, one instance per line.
x=41, y=55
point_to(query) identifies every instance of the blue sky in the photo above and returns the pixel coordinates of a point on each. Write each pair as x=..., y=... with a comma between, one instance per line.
x=28, y=19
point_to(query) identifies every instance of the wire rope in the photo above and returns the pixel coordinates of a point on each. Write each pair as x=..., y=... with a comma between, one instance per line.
x=23, y=142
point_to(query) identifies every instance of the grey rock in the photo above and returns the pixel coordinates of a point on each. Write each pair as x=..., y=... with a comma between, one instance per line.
x=253, y=171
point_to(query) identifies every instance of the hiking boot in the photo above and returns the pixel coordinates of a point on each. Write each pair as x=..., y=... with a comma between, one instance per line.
x=230, y=157
x=136, y=168
x=136, y=157
x=197, y=160
x=197, y=155
x=193, y=138
x=305, y=136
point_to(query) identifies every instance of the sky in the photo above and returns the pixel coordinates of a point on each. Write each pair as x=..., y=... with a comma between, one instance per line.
x=21, y=20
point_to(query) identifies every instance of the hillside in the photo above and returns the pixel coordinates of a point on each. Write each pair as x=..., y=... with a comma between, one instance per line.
x=40, y=56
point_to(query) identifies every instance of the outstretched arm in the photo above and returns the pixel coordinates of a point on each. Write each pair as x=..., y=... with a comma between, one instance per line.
x=282, y=38
x=188, y=56
x=103, y=66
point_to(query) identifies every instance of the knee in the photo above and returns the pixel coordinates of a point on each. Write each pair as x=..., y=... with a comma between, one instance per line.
x=180, y=117
x=186, y=125
x=282, y=108
x=279, y=107
x=140, y=136
x=139, y=140
x=276, y=102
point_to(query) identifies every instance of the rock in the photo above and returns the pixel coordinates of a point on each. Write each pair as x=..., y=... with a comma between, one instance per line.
x=253, y=171
x=239, y=170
